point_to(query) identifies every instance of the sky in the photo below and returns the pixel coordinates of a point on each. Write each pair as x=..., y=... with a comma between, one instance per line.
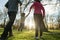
x=2, y=3
x=50, y=9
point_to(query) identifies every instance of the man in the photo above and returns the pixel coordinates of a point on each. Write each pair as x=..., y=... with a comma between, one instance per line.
x=12, y=6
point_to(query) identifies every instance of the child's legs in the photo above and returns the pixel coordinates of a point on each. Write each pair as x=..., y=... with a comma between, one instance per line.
x=22, y=26
x=19, y=29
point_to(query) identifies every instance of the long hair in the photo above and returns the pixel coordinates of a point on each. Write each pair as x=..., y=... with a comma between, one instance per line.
x=37, y=1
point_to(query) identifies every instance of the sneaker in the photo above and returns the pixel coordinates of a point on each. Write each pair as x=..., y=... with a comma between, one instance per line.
x=9, y=36
x=41, y=37
x=36, y=38
x=2, y=39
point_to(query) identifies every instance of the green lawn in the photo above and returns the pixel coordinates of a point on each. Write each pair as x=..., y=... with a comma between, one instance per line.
x=29, y=35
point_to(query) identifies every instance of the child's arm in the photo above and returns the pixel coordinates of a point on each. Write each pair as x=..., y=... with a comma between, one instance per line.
x=20, y=2
x=27, y=15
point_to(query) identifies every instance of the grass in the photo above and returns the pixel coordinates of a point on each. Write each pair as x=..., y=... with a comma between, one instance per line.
x=29, y=35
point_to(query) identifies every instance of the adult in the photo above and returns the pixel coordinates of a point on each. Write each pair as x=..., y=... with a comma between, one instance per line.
x=12, y=6
x=39, y=14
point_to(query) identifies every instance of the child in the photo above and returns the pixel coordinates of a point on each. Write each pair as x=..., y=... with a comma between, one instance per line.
x=23, y=17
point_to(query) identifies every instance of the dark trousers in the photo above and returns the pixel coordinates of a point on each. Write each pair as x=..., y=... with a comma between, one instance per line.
x=39, y=24
x=8, y=27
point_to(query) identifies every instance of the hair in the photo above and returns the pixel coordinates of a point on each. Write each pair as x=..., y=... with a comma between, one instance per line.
x=22, y=14
x=37, y=1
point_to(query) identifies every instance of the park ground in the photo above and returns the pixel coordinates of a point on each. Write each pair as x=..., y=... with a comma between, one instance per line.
x=29, y=35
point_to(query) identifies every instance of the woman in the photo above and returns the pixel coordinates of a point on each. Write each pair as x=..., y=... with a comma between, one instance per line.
x=39, y=14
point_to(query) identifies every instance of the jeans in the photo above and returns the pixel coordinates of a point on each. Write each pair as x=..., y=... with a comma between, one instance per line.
x=38, y=24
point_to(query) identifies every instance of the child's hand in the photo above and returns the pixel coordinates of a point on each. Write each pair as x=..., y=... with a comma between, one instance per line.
x=43, y=17
x=27, y=14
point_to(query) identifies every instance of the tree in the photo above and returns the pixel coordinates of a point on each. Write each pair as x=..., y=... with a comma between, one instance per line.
x=5, y=16
x=58, y=20
x=45, y=21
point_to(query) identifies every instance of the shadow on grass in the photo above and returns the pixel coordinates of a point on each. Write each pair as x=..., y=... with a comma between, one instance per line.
x=29, y=35
x=53, y=34
x=25, y=35
x=1, y=30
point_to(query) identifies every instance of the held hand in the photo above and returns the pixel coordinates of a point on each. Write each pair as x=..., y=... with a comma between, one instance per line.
x=43, y=17
x=27, y=14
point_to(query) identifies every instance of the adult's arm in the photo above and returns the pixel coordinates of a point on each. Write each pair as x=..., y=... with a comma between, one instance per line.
x=20, y=2
x=42, y=8
x=6, y=5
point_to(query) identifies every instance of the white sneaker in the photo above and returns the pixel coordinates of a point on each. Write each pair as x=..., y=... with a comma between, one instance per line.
x=36, y=38
x=41, y=37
